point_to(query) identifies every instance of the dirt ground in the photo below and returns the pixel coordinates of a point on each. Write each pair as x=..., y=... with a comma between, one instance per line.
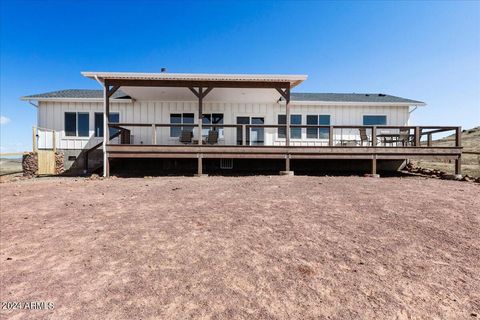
x=241, y=248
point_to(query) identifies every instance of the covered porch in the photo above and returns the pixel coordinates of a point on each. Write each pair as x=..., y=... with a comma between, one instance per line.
x=201, y=135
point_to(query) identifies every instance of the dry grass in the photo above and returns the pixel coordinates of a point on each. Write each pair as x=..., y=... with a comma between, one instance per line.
x=470, y=162
x=241, y=248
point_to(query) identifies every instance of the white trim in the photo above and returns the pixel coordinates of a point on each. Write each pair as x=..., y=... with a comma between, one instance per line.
x=76, y=136
x=75, y=100
x=305, y=103
x=352, y=103
x=294, y=79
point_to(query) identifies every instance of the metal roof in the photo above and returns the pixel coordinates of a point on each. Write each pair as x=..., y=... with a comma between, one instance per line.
x=295, y=96
x=75, y=94
x=352, y=97
x=293, y=79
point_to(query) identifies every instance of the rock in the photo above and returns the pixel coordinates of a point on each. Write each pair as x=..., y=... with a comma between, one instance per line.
x=30, y=164
x=59, y=162
x=457, y=177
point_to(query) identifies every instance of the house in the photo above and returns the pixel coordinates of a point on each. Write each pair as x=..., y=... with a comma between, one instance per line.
x=225, y=118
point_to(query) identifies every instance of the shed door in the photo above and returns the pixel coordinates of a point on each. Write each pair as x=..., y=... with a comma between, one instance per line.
x=46, y=162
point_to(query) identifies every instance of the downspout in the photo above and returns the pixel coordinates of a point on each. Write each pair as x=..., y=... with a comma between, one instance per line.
x=410, y=112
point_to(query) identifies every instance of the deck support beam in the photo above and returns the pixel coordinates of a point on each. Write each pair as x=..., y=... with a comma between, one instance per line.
x=374, y=165
x=200, y=94
x=286, y=95
x=107, y=93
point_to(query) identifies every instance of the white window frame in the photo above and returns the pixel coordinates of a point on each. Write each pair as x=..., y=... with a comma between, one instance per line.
x=318, y=138
x=76, y=136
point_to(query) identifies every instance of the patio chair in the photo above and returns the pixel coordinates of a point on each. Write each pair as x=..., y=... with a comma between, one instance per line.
x=212, y=137
x=186, y=136
x=363, y=136
x=404, y=137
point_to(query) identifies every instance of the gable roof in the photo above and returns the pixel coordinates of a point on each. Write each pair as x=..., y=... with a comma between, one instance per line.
x=295, y=96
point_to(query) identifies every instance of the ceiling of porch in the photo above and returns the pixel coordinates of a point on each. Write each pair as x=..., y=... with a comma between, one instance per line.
x=216, y=95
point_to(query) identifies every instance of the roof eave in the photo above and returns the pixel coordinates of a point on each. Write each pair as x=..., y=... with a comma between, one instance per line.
x=294, y=80
x=359, y=103
x=52, y=99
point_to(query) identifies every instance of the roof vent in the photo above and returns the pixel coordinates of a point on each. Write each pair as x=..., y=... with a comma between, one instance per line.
x=163, y=70
x=381, y=95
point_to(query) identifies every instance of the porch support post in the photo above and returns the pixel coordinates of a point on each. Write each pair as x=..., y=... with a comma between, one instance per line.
x=286, y=95
x=106, y=136
x=287, y=135
x=200, y=115
x=374, y=165
x=200, y=94
x=107, y=93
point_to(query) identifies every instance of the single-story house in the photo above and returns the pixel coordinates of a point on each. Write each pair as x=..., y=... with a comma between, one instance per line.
x=223, y=118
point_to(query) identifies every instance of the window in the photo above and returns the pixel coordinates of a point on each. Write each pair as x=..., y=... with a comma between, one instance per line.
x=253, y=135
x=113, y=118
x=295, y=133
x=315, y=133
x=70, y=124
x=374, y=120
x=77, y=124
x=213, y=118
x=187, y=118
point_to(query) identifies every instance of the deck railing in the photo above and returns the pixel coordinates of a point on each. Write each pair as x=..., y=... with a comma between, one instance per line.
x=300, y=135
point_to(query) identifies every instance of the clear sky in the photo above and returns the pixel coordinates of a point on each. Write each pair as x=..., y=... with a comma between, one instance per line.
x=428, y=51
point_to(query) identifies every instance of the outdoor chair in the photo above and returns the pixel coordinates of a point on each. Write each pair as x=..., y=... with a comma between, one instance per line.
x=363, y=136
x=212, y=137
x=404, y=137
x=186, y=136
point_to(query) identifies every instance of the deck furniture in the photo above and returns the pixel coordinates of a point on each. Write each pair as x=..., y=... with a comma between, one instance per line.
x=404, y=137
x=212, y=137
x=186, y=136
x=363, y=136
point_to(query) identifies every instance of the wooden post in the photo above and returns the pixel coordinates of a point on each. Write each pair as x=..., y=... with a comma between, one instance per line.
x=458, y=165
x=374, y=140
x=154, y=134
x=106, y=135
x=374, y=164
x=458, y=143
x=200, y=115
x=429, y=140
x=458, y=137
x=34, y=139
x=287, y=130
x=330, y=136
x=417, y=137
x=244, y=135
x=287, y=133
x=54, y=141
x=199, y=165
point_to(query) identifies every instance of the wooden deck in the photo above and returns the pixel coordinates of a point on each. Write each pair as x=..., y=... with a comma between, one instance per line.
x=271, y=152
x=371, y=146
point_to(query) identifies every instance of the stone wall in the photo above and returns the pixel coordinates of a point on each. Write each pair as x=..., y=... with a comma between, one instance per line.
x=59, y=162
x=30, y=164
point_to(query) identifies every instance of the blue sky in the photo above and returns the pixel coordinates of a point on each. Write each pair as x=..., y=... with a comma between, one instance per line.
x=428, y=51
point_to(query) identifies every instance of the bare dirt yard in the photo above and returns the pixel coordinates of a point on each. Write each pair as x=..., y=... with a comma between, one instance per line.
x=241, y=248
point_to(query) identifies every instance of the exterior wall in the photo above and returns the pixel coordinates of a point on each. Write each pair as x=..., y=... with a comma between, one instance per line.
x=51, y=116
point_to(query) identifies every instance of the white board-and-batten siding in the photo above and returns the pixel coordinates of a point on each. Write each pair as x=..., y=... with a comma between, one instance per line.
x=51, y=115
